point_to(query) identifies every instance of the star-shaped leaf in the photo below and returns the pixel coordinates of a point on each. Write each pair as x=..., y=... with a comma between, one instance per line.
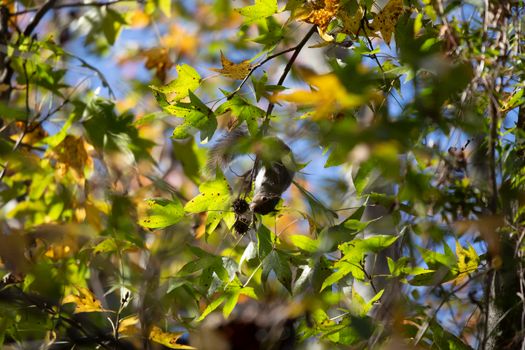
x=237, y=71
x=243, y=111
x=214, y=197
x=195, y=113
x=85, y=301
x=188, y=80
x=351, y=24
x=385, y=21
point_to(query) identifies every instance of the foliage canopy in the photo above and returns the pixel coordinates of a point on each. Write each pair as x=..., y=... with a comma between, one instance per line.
x=405, y=223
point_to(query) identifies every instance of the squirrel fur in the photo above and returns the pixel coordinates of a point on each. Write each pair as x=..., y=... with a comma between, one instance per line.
x=275, y=167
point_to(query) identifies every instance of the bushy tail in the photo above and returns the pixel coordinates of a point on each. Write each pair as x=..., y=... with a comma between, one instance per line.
x=224, y=150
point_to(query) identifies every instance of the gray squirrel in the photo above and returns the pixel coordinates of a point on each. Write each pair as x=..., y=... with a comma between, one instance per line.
x=274, y=167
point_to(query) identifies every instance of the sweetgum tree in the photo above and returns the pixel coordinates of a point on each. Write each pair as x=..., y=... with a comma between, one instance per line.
x=404, y=227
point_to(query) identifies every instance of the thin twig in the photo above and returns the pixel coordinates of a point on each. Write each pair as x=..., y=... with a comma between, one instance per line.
x=75, y=4
x=256, y=66
x=40, y=13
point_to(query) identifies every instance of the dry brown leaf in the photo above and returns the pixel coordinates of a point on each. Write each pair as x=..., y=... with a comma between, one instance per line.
x=158, y=58
x=385, y=21
x=319, y=12
x=351, y=24
x=237, y=71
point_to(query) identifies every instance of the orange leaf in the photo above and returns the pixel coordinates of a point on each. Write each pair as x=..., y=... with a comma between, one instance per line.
x=237, y=71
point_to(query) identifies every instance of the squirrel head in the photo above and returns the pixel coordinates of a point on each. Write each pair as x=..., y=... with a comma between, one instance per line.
x=264, y=203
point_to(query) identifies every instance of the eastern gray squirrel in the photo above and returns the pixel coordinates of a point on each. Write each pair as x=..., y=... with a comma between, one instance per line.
x=275, y=167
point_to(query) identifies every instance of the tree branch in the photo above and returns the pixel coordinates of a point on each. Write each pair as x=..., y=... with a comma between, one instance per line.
x=75, y=4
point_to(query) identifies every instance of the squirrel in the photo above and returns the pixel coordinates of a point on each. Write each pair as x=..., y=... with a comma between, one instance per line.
x=274, y=167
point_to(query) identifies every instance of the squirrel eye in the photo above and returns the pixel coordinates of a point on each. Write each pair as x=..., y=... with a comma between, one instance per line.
x=264, y=198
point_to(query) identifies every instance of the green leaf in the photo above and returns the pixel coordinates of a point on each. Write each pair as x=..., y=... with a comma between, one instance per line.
x=264, y=241
x=435, y=260
x=261, y=9
x=277, y=262
x=162, y=213
x=271, y=33
x=249, y=253
x=188, y=80
x=112, y=24
x=214, y=198
x=243, y=111
x=344, y=270
x=200, y=264
x=304, y=243
x=196, y=115
x=191, y=157
x=230, y=303
x=110, y=245
x=212, y=306
x=353, y=255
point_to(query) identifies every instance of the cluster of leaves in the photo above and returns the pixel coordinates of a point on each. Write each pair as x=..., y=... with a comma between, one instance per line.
x=115, y=236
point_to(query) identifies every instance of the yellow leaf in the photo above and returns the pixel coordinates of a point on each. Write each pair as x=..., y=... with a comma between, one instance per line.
x=167, y=338
x=72, y=154
x=319, y=12
x=237, y=71
x=85, y=301
x=128, y=325
x=385, y=21
x=329, y=97
x=138, y=19
x=351, y=24
x=468, y=259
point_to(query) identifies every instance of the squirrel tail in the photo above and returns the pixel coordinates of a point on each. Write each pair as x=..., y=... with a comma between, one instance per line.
x=225, y=149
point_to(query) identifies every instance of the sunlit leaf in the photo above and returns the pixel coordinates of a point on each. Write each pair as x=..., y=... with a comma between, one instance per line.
x=243, y=111
x=188, y=80
x=468, y=259
x=215, y=198
x=319, y=13
x=328, y=97
x=237, y=71
x=85, y=301
x=304, y=243
x=168, y=339
x=162, y=213
x=261, y=9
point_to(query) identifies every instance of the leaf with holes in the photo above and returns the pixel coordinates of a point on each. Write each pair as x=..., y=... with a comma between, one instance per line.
x=188, y=80
x=214, y=198
x=385, y=21
x=162, y=213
